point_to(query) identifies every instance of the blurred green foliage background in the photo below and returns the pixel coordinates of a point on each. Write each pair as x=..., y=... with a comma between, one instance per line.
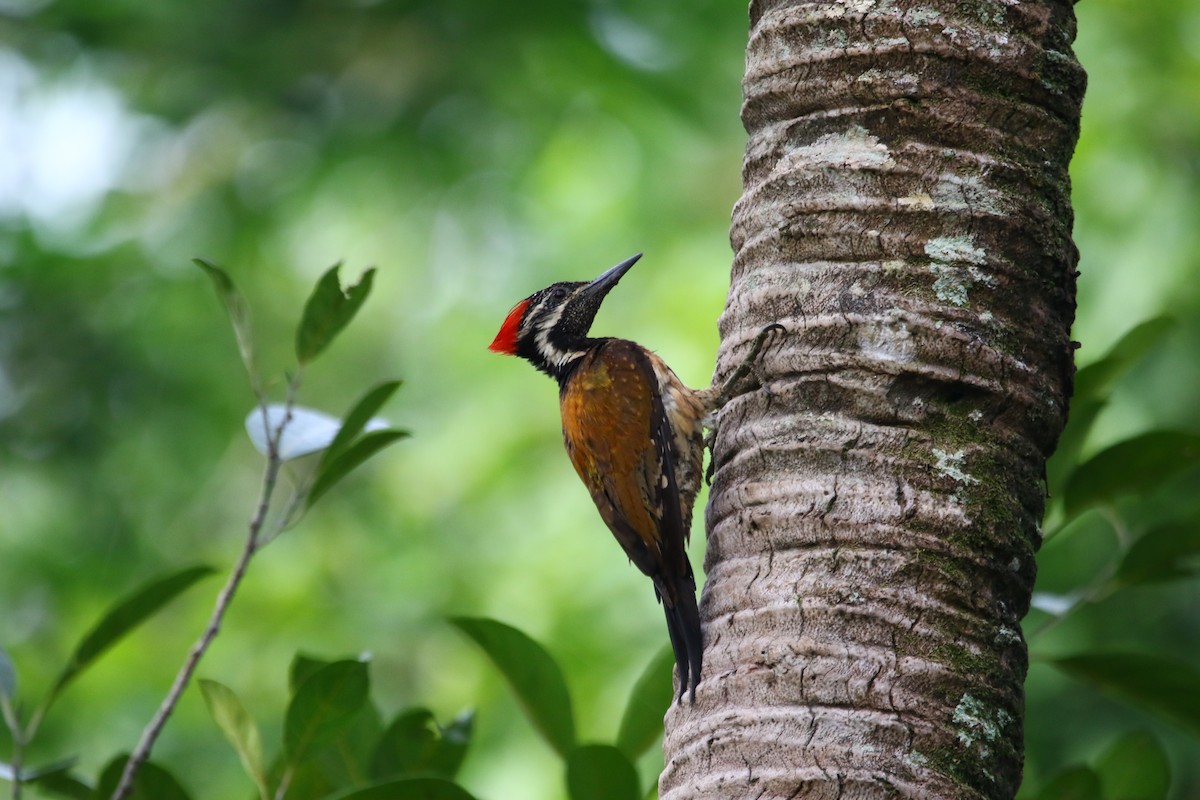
x=473, y=151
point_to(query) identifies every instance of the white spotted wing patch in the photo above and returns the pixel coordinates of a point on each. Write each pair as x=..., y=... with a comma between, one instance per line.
x=685, y=415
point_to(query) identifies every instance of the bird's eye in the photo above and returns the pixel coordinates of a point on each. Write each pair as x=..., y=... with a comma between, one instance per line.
x=559, y=293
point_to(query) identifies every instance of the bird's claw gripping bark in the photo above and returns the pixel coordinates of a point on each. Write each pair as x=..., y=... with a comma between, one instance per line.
x=748, y=366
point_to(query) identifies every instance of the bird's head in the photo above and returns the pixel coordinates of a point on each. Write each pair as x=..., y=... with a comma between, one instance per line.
x=549, y=328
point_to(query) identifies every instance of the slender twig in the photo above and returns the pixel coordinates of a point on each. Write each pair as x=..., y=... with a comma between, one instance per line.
x=19, y=739
x=285, y=782
x=1097, y=591
x=1100, y=587
x=270, y=477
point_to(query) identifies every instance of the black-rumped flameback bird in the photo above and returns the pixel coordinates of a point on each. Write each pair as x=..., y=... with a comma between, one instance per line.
x=635, y=434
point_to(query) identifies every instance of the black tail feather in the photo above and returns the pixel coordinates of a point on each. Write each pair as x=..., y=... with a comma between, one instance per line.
x=683, y=626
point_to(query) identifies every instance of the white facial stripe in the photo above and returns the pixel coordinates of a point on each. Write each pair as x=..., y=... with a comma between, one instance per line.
x=541, y=338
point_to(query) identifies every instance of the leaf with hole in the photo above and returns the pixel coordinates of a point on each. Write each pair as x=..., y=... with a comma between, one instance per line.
x=239, y=728
x=1166, y=686
x=534, y=676
x=328, y=310
x=323, y=705
x=122, y=618
x=642, y=723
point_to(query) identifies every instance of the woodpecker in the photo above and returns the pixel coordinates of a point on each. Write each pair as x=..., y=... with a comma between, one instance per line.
x=635, y=434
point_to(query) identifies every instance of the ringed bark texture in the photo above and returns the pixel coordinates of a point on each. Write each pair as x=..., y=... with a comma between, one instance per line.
x=872, y=527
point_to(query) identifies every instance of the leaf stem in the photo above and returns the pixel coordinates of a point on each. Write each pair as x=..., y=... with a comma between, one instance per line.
x=158, y=722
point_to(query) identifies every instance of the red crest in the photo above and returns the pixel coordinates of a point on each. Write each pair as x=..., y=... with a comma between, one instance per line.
x=506, y=340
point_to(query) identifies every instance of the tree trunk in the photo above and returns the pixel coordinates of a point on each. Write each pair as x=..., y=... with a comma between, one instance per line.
x=871, y=532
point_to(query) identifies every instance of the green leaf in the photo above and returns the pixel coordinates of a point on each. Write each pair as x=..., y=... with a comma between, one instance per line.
x=1148, y=682
x=308, y=780
x=414, y=744
x=642, y=723
x=1086, y=546
x=1165, y=553
x=1097, y=379
x=456, y=737
x=238, y=311
x=123, y=617
x=307, y=430
x=239, y=728
x=601, y=772
x=409, y=789
x=322, y=707
x=1135, y=767
x=55, y=778
x=1134, y=465
x=151, y=783
x=59, y=767
x=407, y=745
x=1073, y=783
x=357, y=418
x=1093, y=384
x=62, y=784
x=327, y=311
x=302, y=668
x=351, y=457
x=8, y=677
x=533, y=675
x=1084, y=411
x=346, y=759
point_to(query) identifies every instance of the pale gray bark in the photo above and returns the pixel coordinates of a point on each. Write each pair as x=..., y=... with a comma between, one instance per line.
x=906, y=215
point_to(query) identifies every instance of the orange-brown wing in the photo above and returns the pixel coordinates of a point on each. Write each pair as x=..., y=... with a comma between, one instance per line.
x=618, y=438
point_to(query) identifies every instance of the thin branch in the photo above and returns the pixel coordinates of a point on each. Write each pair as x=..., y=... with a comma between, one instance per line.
x=270, y=477
x=1101, y=586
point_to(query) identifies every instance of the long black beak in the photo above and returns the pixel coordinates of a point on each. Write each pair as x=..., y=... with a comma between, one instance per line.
x=601, y=286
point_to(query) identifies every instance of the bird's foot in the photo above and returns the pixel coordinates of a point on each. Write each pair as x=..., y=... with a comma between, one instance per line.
x=749, y=366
